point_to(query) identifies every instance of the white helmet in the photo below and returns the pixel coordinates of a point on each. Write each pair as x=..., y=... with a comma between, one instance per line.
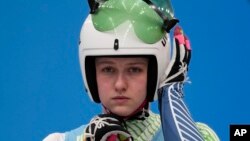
x=121, y=41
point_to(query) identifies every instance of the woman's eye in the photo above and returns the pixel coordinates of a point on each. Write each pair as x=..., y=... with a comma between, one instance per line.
x=108, y=69
x=135, y=70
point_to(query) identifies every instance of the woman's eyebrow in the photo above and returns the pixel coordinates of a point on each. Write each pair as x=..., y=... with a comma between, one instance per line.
x=104, y=62
x=137, y=63
x=129, y=63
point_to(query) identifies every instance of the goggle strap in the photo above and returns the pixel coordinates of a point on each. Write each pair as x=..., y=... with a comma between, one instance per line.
x=167, y=24
x=93, y=5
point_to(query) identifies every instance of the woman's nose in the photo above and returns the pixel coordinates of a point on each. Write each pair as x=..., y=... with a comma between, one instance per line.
x=121, y=83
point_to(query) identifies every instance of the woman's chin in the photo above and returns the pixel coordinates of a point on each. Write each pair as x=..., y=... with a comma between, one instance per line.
x=121, y=112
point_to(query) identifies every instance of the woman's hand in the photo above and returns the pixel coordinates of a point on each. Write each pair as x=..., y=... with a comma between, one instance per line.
x=106, y=127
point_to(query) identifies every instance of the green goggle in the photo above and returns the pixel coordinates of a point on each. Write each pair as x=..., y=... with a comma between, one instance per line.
x=150, y=22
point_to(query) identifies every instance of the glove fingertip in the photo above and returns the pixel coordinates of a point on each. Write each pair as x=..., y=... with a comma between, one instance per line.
x=178, y=30
x=187, y=43
x=179, y=35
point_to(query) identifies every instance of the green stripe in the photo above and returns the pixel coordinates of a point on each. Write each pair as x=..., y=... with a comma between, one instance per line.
x=207, y=133
x=146, y=129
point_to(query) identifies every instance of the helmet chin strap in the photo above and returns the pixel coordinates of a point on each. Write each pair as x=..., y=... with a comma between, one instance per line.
x=140, y=113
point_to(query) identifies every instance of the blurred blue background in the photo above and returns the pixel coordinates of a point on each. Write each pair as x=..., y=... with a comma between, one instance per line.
x=41, y=88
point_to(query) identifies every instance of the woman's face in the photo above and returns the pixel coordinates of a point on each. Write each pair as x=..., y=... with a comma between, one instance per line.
x=122, y=83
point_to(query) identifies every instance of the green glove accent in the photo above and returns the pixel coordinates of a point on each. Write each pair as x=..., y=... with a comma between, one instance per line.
x=207, y=133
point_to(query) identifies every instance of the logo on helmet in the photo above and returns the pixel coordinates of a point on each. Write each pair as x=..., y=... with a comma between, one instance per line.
x=164, y=40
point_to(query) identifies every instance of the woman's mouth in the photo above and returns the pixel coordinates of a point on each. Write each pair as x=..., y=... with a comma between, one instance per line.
x=120, y=99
